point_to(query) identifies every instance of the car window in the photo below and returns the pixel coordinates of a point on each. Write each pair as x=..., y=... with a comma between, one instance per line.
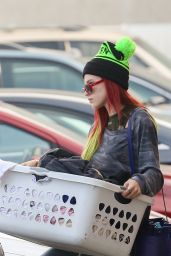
x=78, y=123
x=144, y=94
x=40, y=74
x=18, y=145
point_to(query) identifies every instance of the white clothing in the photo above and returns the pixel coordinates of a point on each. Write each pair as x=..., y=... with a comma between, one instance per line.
x=5, y=166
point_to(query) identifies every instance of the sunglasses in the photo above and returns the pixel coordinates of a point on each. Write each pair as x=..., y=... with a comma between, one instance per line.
x=88, y=88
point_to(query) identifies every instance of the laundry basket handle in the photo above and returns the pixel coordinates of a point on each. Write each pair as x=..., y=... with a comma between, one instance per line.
x=40, y=174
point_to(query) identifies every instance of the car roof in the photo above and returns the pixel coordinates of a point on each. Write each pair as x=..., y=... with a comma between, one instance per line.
x=39, y=54
x=57, y=98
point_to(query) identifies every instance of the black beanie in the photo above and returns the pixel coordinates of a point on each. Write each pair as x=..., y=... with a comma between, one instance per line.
x=111, y=61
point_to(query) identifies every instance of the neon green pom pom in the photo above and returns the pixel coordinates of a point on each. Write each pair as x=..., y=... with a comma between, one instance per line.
x=127, y=46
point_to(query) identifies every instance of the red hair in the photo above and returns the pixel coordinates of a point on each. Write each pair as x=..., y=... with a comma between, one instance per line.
x=116, y=97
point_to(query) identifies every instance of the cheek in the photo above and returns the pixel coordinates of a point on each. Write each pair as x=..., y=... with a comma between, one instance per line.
x=100, y=100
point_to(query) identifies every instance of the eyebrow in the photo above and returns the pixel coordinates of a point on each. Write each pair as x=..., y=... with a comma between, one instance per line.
x=90, y=80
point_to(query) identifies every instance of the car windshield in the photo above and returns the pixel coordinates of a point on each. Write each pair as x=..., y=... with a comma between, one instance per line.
x=161, y=57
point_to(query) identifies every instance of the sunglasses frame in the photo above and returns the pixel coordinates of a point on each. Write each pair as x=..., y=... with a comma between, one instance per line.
x=88, y=88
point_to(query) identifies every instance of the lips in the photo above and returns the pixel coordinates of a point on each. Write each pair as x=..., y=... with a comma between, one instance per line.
x=90, y=99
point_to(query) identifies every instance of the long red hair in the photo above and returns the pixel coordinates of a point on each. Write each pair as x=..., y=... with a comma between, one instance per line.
x=116, y=97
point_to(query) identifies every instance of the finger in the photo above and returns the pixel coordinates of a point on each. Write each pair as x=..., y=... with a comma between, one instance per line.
x=127, y=192
x=134, y=193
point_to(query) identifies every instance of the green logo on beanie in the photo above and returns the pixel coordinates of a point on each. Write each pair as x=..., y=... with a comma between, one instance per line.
x=118, y=53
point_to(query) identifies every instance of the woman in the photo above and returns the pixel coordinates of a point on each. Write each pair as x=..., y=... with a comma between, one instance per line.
x=106, y=82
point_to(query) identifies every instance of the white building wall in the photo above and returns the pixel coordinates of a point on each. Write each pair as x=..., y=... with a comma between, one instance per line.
x=152, y=18
x=24, y=13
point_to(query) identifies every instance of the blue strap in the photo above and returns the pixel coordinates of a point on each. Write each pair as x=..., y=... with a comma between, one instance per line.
x=130, y=144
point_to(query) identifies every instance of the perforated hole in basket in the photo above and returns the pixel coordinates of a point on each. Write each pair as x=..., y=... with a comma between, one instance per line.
x=73, y=200
x=53, y=220
x=63, y=209
x=27, y=192
x=49, y=195
x=11, y=200
x=25, y=204
x=34, y=193
x=65, y=198
x=69, y=223
x=71, y=212
x=9, y=212
x=57, y=198
x=4, y=200
x=40, y=206
x=45, y=218
x=55, y=208
x=41, y=195
x=32, y=204
x=38, y=218
x=61, y=221
x=23, y=215
x=18, y=202
x=47, y=206
x=5, y=187
x=2, y=210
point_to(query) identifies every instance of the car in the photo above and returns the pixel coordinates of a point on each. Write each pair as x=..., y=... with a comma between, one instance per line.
x=72, y=111
x=87, y=41
x=37, y=69
x=25, y=136
x=149, y=88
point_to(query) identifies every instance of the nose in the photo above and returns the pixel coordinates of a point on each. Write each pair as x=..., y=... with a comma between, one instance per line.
x=85, y=92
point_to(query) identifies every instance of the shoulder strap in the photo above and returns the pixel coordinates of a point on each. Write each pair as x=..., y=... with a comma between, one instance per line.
x=130, y=144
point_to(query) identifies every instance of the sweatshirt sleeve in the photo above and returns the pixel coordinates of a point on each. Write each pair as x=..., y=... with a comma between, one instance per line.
x=146, y=155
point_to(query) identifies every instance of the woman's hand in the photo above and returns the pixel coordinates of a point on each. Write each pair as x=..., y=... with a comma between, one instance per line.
x=31, y=163
x=132, y=189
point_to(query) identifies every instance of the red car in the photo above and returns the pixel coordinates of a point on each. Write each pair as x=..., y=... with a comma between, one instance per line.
x=24, y=136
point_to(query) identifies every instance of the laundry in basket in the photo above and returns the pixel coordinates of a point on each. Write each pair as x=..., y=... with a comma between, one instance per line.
x=69, y=212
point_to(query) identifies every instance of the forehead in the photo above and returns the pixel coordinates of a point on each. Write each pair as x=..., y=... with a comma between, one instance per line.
x=89, y=77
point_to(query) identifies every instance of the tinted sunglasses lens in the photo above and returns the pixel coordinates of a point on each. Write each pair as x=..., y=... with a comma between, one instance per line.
x=88, y=89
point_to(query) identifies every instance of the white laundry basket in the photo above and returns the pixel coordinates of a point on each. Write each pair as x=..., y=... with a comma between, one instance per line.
x=69, y=212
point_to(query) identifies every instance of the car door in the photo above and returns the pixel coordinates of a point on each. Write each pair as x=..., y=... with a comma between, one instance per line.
x=19, y=145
